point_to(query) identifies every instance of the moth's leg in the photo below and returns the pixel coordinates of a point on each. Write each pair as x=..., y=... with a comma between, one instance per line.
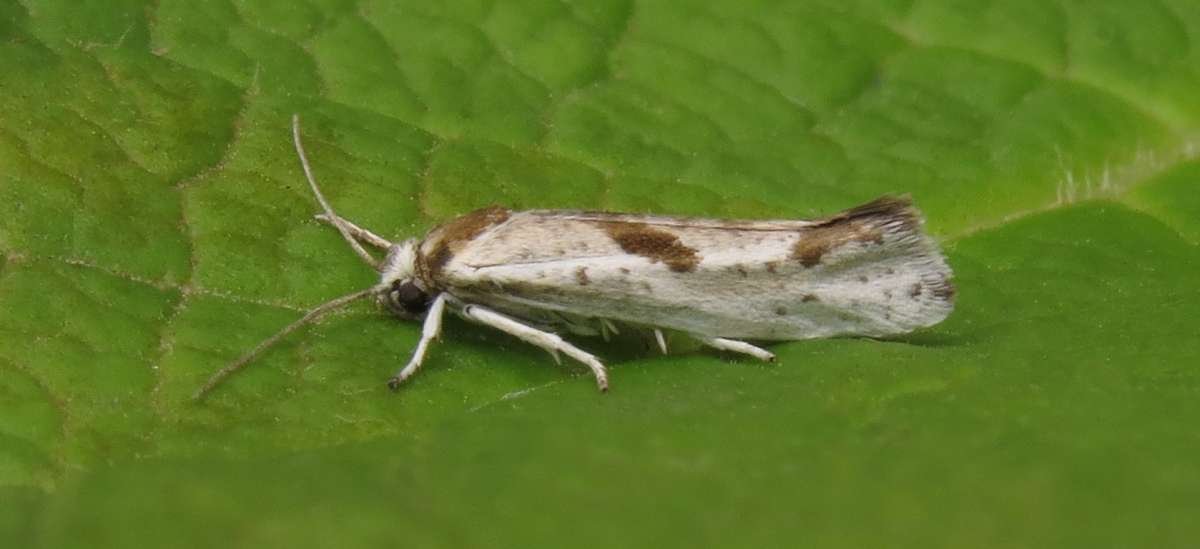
x=735, y=346
x=429, y=332
x=552, y=343
x=662, y=341
x=357, y=232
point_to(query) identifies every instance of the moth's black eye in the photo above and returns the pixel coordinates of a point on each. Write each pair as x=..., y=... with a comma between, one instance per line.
x=406, y=297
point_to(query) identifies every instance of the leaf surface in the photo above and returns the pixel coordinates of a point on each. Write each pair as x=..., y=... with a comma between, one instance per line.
x=154, y=225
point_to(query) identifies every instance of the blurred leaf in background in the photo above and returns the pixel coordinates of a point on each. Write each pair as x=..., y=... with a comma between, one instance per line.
x=154, y=224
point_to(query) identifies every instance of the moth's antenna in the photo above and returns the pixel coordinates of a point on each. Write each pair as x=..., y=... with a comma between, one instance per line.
x=333, y=218
x=308, y=317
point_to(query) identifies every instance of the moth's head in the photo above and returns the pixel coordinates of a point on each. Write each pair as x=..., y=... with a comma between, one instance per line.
x=400, y=291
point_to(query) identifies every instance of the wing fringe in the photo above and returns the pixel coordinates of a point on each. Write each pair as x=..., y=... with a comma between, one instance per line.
x=896, y=211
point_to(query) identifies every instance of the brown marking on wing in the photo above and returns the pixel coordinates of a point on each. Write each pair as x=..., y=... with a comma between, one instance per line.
x=864, y=224
x=452, y=236
x=944, y=291
x=581, y=276
x=772, y=266
x=653, y=244
x=915, y=291
x=815, y=242
x=808, y=298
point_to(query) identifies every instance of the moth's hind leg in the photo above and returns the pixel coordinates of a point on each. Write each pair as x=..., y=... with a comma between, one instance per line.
x=552, y=343
x=362, y=235
x=735, y=346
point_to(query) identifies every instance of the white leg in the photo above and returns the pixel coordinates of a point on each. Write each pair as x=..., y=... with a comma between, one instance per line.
x=611, y=327
x=607, y=328
x=552, y=343
x=662, y=341
x=429, y=332
x=356, y=231
x=735, y=346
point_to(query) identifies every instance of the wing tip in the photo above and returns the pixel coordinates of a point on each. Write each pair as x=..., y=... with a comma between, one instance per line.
x=896, y=214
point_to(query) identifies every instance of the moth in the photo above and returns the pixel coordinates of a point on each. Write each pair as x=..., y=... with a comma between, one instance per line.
x=867, y=271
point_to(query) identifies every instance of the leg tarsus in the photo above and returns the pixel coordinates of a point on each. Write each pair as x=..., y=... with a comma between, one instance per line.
x=735, y=346
x=608, y=324
x=546, y=340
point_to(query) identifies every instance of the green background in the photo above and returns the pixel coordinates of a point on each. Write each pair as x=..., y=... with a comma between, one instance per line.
x=154, y=224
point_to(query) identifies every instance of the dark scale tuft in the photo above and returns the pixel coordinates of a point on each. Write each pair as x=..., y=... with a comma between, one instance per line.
x=866, y=224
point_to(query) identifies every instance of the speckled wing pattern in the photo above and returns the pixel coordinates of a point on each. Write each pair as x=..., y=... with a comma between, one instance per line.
x=866, y=271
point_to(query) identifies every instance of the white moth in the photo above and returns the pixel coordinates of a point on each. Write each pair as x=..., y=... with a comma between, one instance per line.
x=867, y=271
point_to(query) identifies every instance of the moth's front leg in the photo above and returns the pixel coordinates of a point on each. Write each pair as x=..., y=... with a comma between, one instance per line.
x=552, y=343
x=429, y=332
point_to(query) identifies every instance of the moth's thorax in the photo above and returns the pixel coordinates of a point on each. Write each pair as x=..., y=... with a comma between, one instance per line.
x=449, y=239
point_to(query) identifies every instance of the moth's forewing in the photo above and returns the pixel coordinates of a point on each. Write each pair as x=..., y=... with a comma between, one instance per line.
x=865, y=271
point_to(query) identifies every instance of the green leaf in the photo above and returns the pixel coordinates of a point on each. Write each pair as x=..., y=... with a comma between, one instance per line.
x=154, y=225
